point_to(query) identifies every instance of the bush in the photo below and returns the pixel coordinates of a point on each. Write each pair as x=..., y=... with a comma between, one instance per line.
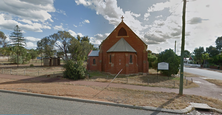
x=74, y=70
x=154, y=64
x=31, y=65
x=14, y=58
x=151, y=58
x=170, y=57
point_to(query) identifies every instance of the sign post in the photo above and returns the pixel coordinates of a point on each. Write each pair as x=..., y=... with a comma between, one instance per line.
x=162, y=66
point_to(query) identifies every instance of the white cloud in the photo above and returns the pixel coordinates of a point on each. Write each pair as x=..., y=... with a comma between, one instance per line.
x=28, y=9
x=61, y=12
x=74, y=34
x=32, y=39
x=203, y=26
x=30, y=45
x=86, y=21
x=111, y=12
x=74, y=25
x=60, y=27
x=28, y=14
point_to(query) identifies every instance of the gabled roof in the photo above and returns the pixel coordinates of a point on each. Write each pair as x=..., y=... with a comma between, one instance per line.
x=121, y=46
x=94, y=53
x=126, y=27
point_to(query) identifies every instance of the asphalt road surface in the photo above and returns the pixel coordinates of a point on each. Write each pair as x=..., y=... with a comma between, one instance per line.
x=21, y=104
x=203, y=72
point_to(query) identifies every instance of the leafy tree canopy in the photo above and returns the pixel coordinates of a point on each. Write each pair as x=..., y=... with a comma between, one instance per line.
x=187, y=54
x=3, y=41
x=170, y=57
x=219, y=43
x=198, y=54
x=212, y=51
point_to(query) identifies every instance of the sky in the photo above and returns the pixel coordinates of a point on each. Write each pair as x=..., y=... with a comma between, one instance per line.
x=157, y=22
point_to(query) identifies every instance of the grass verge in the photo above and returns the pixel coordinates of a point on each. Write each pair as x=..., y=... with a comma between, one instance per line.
x=116, y=95
x=215, y=81
x=151, y=80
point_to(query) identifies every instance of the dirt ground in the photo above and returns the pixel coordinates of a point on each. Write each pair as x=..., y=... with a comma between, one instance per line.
x=62, y=87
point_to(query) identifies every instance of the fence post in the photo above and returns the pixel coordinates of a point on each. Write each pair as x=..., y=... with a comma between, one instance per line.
x=11, y=71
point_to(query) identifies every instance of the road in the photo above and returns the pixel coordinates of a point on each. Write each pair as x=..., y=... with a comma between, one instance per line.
x=21, y=104
x=203, y=72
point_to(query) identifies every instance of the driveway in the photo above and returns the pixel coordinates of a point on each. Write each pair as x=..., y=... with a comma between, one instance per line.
x=204, y=72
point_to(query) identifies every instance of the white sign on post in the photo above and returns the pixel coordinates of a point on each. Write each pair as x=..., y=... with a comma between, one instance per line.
x=163, y=66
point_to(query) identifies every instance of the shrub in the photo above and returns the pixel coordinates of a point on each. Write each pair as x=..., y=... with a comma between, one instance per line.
x=14, y=58
x=154, y=64
x=170, y=57
x=74, y=70
x=151, y=58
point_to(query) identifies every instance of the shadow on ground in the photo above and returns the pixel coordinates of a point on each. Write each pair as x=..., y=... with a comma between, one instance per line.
x=39, y=79
x=158, y=110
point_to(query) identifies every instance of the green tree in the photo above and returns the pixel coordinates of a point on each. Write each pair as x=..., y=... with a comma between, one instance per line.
x=151, y=59
x=74, y=70
x=212, y=51
x=33, y=53
x=78, y=38
x=40, y=49
x=95, y=48
x=22, y=58
x=61, y=40
x=46, y=46
x=3, y=41
x=186, y=54
x=170, y=57
x=198, y=54
x=18, y=40
x=80, y=49
x=205, y=56
x=219, y=43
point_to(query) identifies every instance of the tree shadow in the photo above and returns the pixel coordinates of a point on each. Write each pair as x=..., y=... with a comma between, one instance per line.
x=158, y=110
x=39, y=79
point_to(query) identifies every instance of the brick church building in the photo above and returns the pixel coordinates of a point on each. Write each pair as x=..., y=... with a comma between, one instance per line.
x=122, y=49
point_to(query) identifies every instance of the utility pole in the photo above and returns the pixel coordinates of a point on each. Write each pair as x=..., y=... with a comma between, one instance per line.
x=175, y=47
x=182, y=48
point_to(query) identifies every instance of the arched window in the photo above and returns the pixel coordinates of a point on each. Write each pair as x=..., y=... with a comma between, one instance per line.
x=94, y=61
x=122, y=32
x=110, y=58
x=131, y=59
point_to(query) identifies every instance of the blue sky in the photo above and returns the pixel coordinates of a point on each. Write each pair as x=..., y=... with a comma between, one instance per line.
x=156, y=22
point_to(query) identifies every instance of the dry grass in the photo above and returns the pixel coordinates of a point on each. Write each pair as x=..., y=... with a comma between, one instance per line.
x=191, y=75
x=123, y=96
x=34, y=71
x=215, y=81
x=151, y=80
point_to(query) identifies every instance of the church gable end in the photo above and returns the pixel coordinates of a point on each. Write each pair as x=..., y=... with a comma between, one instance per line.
x=122, y=32
x=122, y=49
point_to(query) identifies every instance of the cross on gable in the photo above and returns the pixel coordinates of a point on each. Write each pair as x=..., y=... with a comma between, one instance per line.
x=122, y=18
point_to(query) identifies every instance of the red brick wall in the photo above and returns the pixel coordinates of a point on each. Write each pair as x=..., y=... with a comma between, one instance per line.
x=90, y=65
x=133, y=40
x=122, y=61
